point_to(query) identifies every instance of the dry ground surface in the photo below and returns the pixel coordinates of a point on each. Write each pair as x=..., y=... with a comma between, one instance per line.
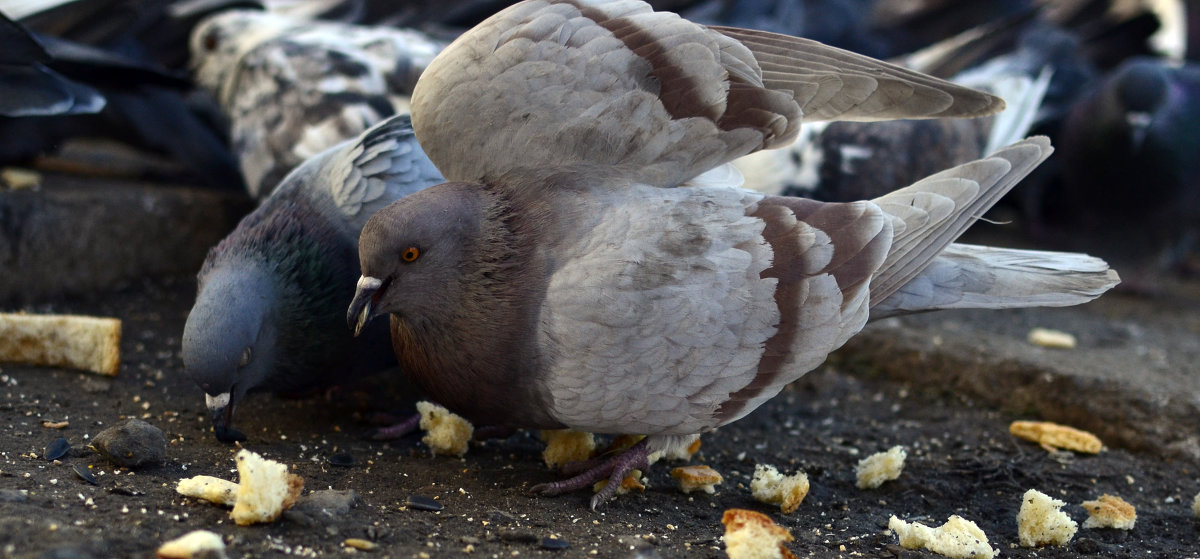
x=961, y=459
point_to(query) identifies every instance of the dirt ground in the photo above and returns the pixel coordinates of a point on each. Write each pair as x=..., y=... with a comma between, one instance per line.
x=961, y=460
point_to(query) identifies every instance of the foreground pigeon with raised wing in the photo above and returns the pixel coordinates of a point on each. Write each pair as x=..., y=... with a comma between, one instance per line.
x=269, y=310
x=557, y=283
x=293, y=87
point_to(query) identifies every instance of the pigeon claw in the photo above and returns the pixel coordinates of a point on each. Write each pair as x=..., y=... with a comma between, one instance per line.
x=395, y=431
x=613, y=469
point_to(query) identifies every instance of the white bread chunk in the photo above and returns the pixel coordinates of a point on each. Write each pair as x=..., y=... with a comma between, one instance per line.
x=753, y=535
x=209, y=488
x=193, y=544
x=958, y=538
x=567, y=445
x=265, y=489
x=877, y=468
x=1042, y=522
x=771, y=487
x=77, y=342
x=1109, y=511
x=1053, y=436
x=445, y=433
x=700, y=477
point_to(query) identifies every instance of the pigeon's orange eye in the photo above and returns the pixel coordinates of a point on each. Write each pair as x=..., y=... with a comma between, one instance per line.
x=410, y=254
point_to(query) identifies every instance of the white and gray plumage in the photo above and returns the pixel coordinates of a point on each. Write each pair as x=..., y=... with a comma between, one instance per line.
x=269, y=311
x=292, y=88
x=557, y=283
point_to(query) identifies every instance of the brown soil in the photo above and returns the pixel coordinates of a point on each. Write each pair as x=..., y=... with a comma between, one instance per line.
x=961, y=460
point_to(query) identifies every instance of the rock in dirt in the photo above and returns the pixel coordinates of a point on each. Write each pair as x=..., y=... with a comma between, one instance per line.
x=132, y=444
x=319, y=507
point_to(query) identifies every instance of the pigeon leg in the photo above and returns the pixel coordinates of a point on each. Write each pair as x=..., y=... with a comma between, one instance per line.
x=614, y=468
x=396, y=431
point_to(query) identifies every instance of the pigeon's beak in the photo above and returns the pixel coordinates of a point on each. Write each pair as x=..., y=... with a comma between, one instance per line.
x=1139, y=123
x=360, y=311
x=221, y=408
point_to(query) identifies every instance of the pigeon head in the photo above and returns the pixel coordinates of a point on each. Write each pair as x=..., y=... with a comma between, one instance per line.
x=1141, y=88
x=413, y=251
x=218, y=42
x=229, y=341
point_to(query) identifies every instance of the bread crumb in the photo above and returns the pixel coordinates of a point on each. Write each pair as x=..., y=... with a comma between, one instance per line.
x=265, y=489
x=1041, y=522
x=877, y=468
x=565, y=445
x=753, y=535
x=445, y=432
x=1110, y=511
x=631, y=482
x=958, y=538
x=1053, y=436
x=692, y=478
x=209, y=488
x=78, y=342
x=771, y=487
x=1196, y=505
x=193, y=544
x=1055, y=339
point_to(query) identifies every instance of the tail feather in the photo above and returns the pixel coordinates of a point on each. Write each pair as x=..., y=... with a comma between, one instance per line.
x=981, y=277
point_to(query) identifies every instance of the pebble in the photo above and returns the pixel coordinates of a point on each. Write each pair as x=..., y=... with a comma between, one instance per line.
x=57, y=449
x=13, y=496
x=555, y=544
x=343, y=459
x=85, y=474
x=328, y=502
x=424, y=503
x=131, y=444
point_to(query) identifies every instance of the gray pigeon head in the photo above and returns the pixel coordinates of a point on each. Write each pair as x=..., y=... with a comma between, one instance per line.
x=229, y=340
x=413, y=252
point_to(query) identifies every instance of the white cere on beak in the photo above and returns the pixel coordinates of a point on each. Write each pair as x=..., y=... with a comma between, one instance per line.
x=368, y=282
x=216, y=402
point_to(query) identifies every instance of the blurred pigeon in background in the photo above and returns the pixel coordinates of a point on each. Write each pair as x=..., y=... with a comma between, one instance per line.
x=269, y=314
x=292, y=88
x=560, y=282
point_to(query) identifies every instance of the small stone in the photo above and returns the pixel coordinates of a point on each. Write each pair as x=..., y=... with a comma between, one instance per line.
x=424, y=503
x=342, y=459
x=132, y=443
x=327, y=503
x=555, y=544
x=57, y=449
x=85, y=474
x=13, y=496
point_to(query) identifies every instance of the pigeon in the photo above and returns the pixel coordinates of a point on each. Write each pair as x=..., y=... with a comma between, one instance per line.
x=292, y=88
x=1129, y=155
x=582, y=269
x=271, y=294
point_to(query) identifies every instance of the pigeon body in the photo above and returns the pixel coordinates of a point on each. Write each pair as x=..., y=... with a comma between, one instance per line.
x=272, y=294
x=558, y=281
x=292, y=88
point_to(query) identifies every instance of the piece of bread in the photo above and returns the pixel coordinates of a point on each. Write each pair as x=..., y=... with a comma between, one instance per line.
x=1053, y=436
x=877, y=468
x=771, y=487
x=700, y=477
x=1196, y=505
x=958, y=538
x=265, y=489
x=209, y=488
x=633, y=481
x=1055, y=339
x=566, y=445
x=78, y=342
x=445, y=433
x=193, y=544
x=1110, y=511
x=1042, y=522
x=753, y=535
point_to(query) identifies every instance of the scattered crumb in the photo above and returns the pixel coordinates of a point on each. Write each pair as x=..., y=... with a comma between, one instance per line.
x=1196, y=505
x=692, y=478
x=1041, y=522
x=200, y=543
x=445, y=432
x=265, y=489
x=209, y=488
x=78, y=342
x=753, y=535
x=1110, y=511
x=1056, y=339
x=565, y=445
x=1053, y=436
x=17, y=179
x=631, y=482
x=361, y=544
x=769, y=486
x=877, y=468
x=958, y=538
